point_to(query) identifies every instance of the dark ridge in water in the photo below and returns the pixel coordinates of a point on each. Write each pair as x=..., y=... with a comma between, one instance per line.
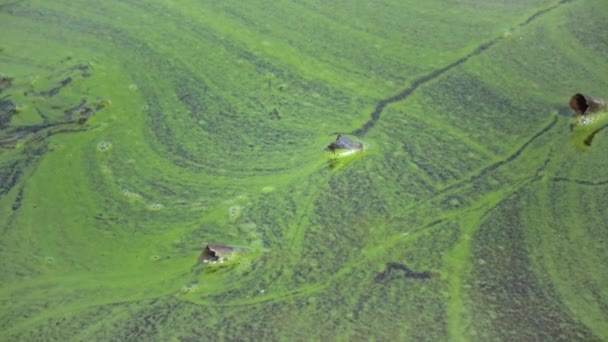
x=7, y=109
x=511, y=157
x=579, y=181
x=361, y=131
x=543, y=11
x=18, y=200
x=9, y=4
x=9, y=176
x=396, y=270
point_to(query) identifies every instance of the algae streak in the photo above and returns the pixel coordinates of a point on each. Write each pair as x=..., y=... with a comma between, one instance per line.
x=126, y=147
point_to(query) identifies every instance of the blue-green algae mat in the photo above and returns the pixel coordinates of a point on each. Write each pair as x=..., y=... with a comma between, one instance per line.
x=135, y=132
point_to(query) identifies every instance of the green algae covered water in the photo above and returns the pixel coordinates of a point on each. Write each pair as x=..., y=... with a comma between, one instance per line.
x=133, y=133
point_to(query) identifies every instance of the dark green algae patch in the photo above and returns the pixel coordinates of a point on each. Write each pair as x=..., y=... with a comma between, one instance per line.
x=469, y=214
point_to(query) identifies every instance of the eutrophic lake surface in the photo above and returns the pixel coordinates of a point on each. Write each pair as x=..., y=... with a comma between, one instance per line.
x=164, y=173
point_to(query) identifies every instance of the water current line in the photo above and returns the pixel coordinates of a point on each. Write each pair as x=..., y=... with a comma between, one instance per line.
x=375, y=116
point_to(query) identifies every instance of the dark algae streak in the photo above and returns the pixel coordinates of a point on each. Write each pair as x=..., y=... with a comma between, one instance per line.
x=396, y=270
x=182, y=181
x=438, y=72
x=23, y=145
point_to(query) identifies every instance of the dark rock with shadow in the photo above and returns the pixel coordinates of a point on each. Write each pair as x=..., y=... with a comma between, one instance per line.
x=344, y=143
x=215, y=252
x=396, y=270
x=590, y=117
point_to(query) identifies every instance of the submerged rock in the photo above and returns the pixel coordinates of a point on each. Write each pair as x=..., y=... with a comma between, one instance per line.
x=342, y=147
x=584, y=104
x=214, y=252
x=344, y=143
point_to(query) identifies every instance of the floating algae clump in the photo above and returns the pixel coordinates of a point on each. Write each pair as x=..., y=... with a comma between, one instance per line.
x=155, y=206
x=104, y=146
x=590, y=116
x=267, y=189
x=132, y=196
x=234, y=212
x=189, y=288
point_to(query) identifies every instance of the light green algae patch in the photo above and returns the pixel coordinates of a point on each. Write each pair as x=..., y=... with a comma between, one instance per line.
x=584, y=128
x=126, y=148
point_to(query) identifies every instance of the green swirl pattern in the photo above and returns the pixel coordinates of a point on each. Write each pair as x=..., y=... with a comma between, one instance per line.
x=133, y=133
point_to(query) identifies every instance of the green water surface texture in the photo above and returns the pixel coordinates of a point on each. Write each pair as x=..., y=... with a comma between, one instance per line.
x=132, y=132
